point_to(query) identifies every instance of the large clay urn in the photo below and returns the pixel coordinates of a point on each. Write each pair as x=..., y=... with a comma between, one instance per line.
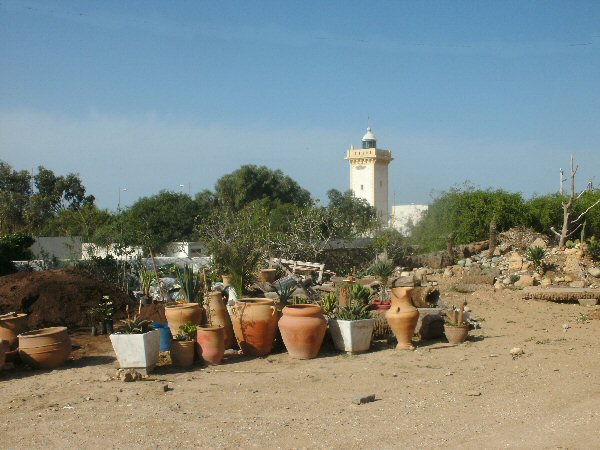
x=177, y=315
x=255, y=324
x=11, y=325
x=303, y=329
x=218, y=316
x=402, y=317
x=211, y=341
x=46, y=348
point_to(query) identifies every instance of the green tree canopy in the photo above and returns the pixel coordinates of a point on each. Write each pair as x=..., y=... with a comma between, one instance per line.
x=349, y=216
x=250, y=183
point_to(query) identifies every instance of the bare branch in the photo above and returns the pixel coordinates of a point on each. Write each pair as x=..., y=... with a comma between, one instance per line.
x=555, y=232
x=583, y=213
x=576, y=228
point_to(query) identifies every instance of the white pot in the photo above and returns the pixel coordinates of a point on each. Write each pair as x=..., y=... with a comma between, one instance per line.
x=137, y=351
x=352, y=336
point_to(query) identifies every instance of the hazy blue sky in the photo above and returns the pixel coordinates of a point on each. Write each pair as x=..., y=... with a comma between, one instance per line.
x=149, y=95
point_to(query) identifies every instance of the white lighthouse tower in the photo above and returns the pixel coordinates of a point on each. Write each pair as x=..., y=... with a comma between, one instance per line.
x=369, y=174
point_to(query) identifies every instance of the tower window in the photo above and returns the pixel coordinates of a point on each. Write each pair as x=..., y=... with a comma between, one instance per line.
x=361, y=187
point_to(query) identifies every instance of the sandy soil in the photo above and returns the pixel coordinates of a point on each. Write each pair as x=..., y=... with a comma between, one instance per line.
x=472, y=396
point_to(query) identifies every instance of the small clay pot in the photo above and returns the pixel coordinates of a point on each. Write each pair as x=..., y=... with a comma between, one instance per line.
x=182, y=353
x=456, y=334
x=211, y=343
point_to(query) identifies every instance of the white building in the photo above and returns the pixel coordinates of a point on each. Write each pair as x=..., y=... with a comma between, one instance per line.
x=405, y=216
x=369, y=174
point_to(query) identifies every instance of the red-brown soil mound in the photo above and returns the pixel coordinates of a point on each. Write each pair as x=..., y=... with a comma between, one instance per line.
x=57, y=297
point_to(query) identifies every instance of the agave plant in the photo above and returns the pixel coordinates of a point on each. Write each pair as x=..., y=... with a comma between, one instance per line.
x=383, y=270
x=360, y=293
x=354, y=311
x=536, y=255
x=146, y=277
x=329, y=303
x=190, y=283
x=284, y=292
x=136, y=326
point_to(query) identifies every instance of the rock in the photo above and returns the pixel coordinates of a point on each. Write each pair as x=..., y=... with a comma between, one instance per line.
x=588, y=301
x=572, y=265
x=421, y=274
x=447, y=272
x=524, y=281
x=577, y=284
x=516, y=352
x=515, y=262
x=362, y=399
x=559, y=279
x=594, y=271
x=430, y=324
x=166, y=388
x=129, y=375
x=568, y=278
x=546, y=281
x=473, y=393
x=566, y=326
x=539, y=242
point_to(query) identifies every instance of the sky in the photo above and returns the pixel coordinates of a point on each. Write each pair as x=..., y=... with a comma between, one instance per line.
x=140, y=96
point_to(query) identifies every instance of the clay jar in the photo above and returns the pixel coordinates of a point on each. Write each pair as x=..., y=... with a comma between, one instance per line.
x=211, y=343
x=255, y=323
x=182, y=353
x=177, y=315
x=303, y=329
x=11, y=326
x=46, y=348
x=218, y=316
x=267, y=275
x=402, y=317
x=456, y=334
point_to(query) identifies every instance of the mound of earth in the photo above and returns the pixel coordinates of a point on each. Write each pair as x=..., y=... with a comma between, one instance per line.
x=57, y=297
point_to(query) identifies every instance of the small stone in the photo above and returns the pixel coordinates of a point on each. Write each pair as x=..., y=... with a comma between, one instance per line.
x=473, y=393
x=448, y=374
x=362, y=399
x=166, y=388
x=516, y=352
x=594, y=271
x=566, y=326
x=588, y=301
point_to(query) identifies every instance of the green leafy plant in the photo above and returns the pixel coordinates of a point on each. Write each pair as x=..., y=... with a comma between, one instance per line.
x=360, y=293
x=383, y=270
x=135, y=326
x=354, y=311
x=593, y=248
x=105, y=308
x=514, y=278
x=284, y=292
x=329, y=303
x=146, y=277
x=187, y=332
x=190, y=282
x=536, y=255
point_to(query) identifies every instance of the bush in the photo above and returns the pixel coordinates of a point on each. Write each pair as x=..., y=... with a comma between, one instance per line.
x=14, y=247
x=593, y=249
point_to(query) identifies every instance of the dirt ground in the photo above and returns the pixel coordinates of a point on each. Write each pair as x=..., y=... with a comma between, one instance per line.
x=472, y=396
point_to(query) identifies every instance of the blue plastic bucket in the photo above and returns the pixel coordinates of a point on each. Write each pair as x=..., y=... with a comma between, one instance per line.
x=165, y=335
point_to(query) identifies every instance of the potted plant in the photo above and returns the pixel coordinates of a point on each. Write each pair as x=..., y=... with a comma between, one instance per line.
x=105, y=312
x=351, y=327
x=146, y=277
x=383, y=270
x=183, y=345
x=136, y=345
x=455, y=327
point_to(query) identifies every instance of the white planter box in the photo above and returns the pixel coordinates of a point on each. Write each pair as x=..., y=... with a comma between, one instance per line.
x=353, y=336
x=137, y=351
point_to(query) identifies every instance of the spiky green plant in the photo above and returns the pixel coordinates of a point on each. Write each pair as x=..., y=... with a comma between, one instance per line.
x=284, y=292
x=536, y=255
x=190, y=282
x=383, y=270
x=135, y=326
x=145, y=277
x=329, y=303
x=360, y=293
x=354, y=311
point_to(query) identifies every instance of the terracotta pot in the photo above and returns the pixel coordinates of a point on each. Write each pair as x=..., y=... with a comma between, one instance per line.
x=402, y=317
x=226, y=280
x=218, y=316
x=11, y=327
x=379, y=305
x=456, y=334
x=303, y=329
x=267, y=275
x=46, y=348
x=177, y=315
x=211, y=341
x=255, y=324
x=182, y=353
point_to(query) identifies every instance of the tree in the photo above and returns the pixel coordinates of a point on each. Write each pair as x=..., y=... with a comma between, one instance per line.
x=250, y=183
x=15, y=191
x=85, y=222
x=348, y=216
x=569, y=225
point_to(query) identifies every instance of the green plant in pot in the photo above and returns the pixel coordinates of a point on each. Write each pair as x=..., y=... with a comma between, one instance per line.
x=455, y=327
x=105, y=311
x=146, y=277
x=183, y=345
x=136, y=345
x=352, y=327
